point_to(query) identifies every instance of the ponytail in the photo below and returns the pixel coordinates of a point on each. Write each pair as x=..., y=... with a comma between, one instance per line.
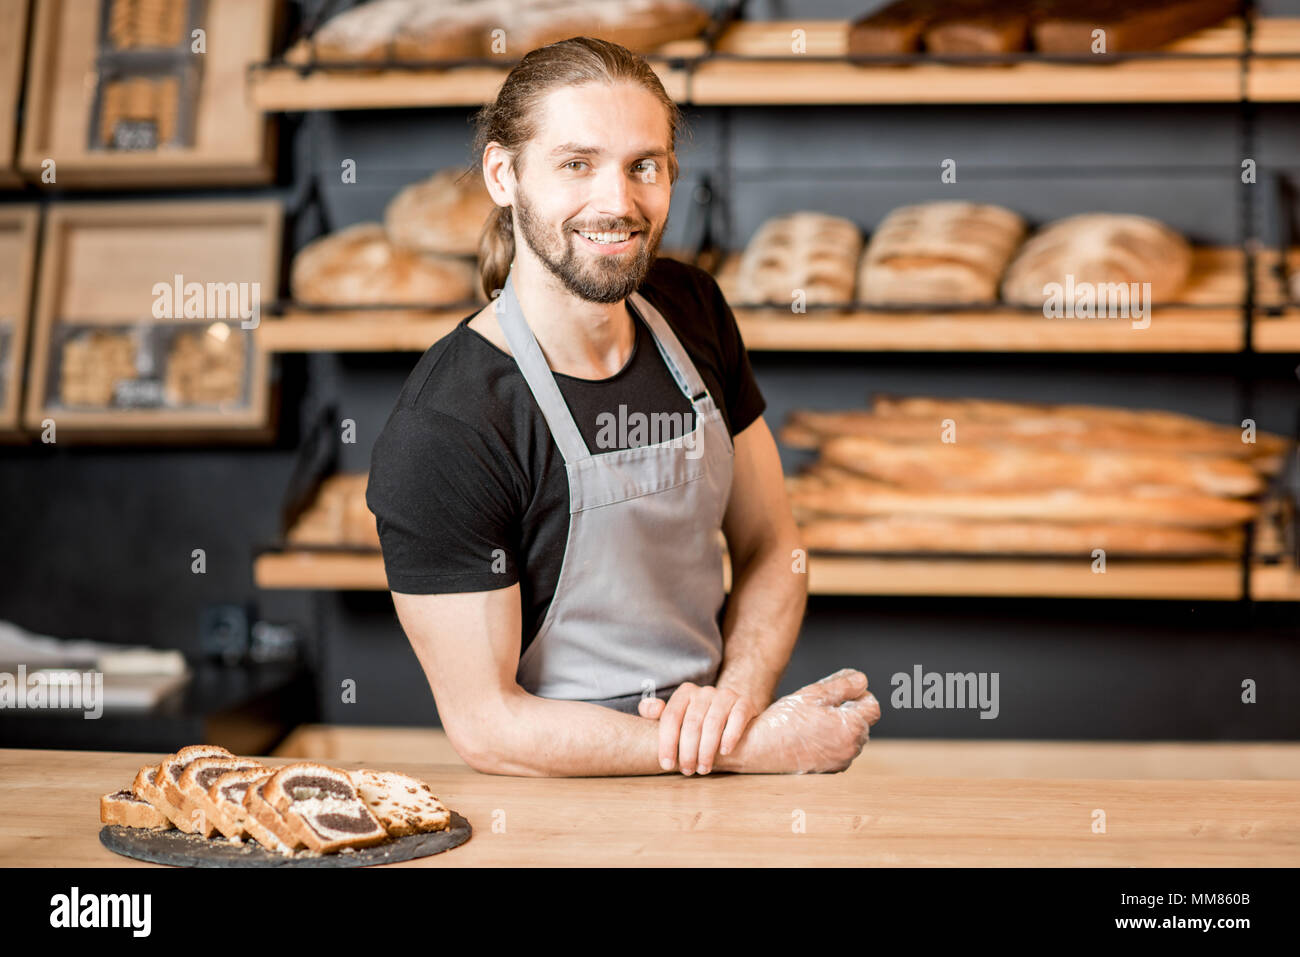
x=496, y=250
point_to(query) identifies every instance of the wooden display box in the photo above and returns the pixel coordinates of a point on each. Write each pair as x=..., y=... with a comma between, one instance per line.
x=232, y=141
x=18, y=231
x=101, y=269
x=13, y=48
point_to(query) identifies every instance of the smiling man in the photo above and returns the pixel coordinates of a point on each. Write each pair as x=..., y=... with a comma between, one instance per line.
x=561, y=581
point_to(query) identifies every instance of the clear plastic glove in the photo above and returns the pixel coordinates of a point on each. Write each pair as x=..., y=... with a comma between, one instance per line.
x=821, y=727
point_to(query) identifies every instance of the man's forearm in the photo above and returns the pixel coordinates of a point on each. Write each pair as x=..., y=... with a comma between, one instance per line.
x=764, y=612
x=547, y=737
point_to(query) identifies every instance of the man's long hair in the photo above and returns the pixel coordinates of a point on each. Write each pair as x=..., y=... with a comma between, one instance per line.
x=511, y=120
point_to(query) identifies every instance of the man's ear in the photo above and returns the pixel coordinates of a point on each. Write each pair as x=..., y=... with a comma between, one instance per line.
x=498, y=174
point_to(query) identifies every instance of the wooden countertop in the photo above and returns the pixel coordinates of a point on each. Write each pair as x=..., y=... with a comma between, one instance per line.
x=909, y=803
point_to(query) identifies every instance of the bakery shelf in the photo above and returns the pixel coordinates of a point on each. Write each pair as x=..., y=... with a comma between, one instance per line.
x=19, y=226
x=232, y=139
x=13, y=49
x=1280, y=582
x=1276, y=324
x=359, y=330
x=852, y=575
x=752, y=64
x=100, y=264
x=1210, y=318
x=1274, y=72
x=282, y=87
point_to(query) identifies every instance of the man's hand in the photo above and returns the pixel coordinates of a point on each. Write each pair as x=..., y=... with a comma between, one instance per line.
x=821, y=727
x=695, y=721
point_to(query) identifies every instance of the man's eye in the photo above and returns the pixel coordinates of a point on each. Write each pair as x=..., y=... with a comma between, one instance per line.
x=646, y=166
x=572, y=163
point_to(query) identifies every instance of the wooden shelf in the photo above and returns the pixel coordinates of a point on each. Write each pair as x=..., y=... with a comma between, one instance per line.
x=289, y=89
x=851, y=575
x=401, y=330
x=1275, y=582
x=738, y=77
x=1275, y=80
x=1209, y=318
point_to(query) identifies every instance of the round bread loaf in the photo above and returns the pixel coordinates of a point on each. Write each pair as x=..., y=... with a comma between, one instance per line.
x=1099, y=248
x=443, y=214
x=808, y=251
x=359, y=266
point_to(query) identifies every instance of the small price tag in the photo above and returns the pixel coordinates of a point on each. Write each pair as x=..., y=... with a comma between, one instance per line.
x=136, y=135
x=138, y=393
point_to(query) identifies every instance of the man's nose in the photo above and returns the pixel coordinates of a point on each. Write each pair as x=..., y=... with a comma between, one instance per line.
x=613, y=194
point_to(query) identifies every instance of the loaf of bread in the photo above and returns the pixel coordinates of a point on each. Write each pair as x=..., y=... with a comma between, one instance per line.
x=267, y=825
x=193, y=784
x=146, y=23
x=418, y=30
x=942, y=253
x=168, y=780
x=808, y=252
x=1038, y=427
x=995, y=28
x=91, y=366
x=443, y=214
x=337, y=516
x=937, y=534
x=206, y=367
x=965, y=466
x=1065, y=26
x=831, y=493
x=360, y=266
x=1099, y=248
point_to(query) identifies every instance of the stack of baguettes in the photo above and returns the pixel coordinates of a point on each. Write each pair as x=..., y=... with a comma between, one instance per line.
x=979, y=476
x=303, y=809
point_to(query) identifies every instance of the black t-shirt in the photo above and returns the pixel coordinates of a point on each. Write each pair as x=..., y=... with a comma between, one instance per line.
x=468, y=487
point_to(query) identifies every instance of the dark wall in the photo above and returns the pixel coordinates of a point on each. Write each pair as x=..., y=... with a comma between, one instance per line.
x=95, y=542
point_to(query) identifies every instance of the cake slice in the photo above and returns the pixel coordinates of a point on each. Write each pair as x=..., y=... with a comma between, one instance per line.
x=128, y=809
x=265, y=823
x=169, y=773
x=322, y=807
x=146, y=785
x=403, y=804
x=193, y=786
x=226, y=795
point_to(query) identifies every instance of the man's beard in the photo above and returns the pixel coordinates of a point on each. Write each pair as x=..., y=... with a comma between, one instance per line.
x=608, y=278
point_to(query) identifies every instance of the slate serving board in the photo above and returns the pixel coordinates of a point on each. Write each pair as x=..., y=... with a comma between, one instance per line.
x=179, y=849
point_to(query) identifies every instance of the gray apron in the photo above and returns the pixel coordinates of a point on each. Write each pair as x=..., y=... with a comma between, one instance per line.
x=640, y=587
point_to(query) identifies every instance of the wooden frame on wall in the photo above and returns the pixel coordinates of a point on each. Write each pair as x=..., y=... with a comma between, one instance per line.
x=19, y=228
x=233, y=142
x=100, y=263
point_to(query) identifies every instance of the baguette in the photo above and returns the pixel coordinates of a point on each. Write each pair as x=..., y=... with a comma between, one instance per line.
x=909, y=533
x=961, y=466
x=1144, y=505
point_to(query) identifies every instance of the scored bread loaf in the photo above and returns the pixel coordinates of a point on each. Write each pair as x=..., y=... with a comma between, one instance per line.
x=966, y=466
x=809, y=251
x=359, y=266
x=362, y=33
x=808, y=429
x=321, y=807
x=639, y=25
x=943, y=253
x=443, y=214
x=168, y=779
x=1099, y=248
x=1065, y=26
x=402, y=804
x=912, y=533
